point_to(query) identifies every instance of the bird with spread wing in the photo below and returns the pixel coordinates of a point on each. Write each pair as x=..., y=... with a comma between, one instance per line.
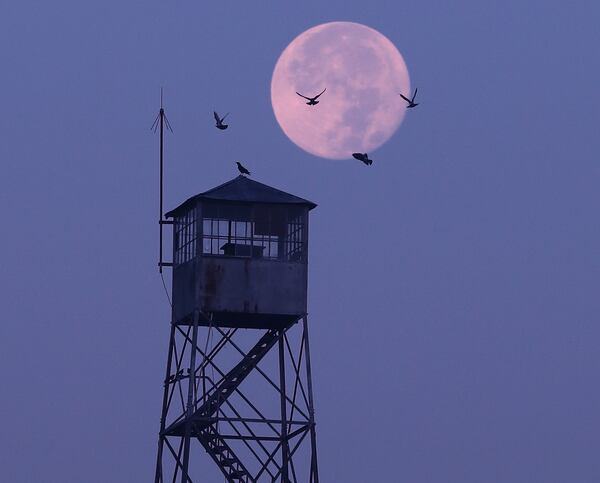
x=411, y=102
x=312, y=101
x=364, y=157
x=220, y=120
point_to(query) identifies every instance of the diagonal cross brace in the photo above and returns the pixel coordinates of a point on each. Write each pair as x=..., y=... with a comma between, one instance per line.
x=235, y=377
x=228, y=384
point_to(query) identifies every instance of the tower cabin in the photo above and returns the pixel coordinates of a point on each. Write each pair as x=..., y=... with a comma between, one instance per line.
x=240, y=254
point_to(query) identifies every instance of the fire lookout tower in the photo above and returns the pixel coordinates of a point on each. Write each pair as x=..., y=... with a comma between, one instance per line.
x=238, y=380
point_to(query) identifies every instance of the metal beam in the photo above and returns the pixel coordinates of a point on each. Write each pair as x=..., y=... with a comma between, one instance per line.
x=284, y=443
x=190, y=402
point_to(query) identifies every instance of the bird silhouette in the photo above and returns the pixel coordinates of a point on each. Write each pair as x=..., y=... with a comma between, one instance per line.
x=220, y=120
x=364, y=157
x=312, y=100
x=241, y=169
x=411, y=102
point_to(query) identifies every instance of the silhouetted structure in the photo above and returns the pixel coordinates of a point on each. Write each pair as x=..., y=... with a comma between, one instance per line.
x=312, y=101
x=238, y=380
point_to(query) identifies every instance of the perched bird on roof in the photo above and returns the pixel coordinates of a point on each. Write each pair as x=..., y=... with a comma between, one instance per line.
x=364, y=157
x=411, y=102
x=312, y=100
x=241, y=169
x=220, y=120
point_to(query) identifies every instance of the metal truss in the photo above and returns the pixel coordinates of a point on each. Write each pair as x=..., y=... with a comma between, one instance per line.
x=246, y=404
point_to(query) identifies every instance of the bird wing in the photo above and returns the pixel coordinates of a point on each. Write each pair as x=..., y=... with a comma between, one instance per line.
x=405, y=98
x=415, y=94
x=317, y=96
x=307, y=98
x=216, y=117
x=224, y=117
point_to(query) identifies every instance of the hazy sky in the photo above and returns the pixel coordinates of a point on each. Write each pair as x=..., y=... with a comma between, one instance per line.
x=454, y=284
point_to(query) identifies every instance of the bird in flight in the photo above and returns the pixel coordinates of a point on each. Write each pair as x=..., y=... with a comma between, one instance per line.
x=312, y=100
x=411, y=102
x=220, y=120
x=364, y=157
x=241, y=169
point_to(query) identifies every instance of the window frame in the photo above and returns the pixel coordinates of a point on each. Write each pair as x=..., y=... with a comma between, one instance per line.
x=185, y=236
x=282, y=236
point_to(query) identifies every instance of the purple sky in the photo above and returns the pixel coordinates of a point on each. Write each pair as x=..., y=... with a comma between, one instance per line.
x=454, y=284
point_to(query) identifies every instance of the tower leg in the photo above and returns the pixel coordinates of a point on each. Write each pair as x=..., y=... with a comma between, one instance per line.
x=161, y=439
x=284, y=439
x=190, y=400
x=314, y=468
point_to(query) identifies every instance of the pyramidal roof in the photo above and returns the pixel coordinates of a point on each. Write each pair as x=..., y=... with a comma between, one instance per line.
x=245, y=190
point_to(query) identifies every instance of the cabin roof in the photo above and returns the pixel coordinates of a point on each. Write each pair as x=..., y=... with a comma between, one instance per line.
x=244, y=190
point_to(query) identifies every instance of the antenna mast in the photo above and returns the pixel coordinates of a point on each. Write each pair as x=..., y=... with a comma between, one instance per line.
x=160, y=123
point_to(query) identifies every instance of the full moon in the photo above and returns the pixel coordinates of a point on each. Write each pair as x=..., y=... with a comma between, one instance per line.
x=363, y=73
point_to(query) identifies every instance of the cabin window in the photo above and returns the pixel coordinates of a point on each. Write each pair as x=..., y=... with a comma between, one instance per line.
x=185, y=237
x=262, y=231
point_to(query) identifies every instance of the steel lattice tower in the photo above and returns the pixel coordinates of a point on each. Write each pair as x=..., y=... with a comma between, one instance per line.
x=238, y=378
